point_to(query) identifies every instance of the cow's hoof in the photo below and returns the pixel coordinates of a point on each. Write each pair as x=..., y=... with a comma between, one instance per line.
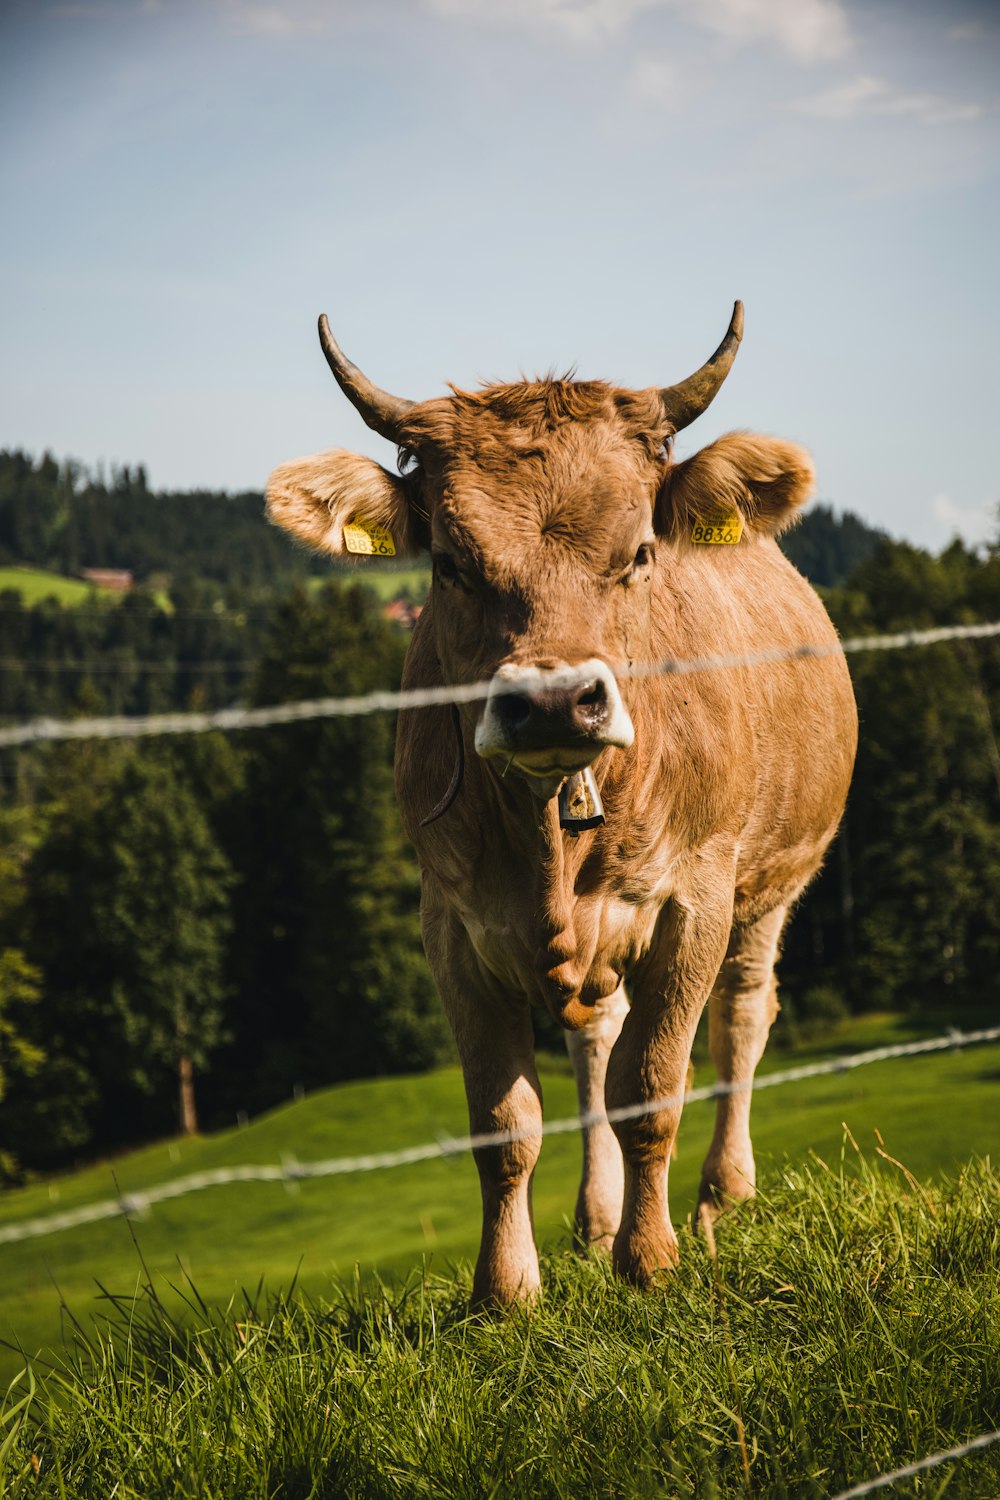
x=639, y=1258
x=495, y=1297
x=587, y=1241
x=722, y=1196
x=595, y=1225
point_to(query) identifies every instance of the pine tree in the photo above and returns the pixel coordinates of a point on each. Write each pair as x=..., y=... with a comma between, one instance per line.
x=163, y=912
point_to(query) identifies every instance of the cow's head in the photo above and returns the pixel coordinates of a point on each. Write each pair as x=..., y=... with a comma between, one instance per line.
x=547, y=508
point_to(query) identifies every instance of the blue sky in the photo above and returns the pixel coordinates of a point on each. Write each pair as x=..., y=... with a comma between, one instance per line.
x=477, y=188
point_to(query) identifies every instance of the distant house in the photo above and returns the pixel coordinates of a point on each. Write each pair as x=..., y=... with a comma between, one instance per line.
x=118, y=580
x=402, y=612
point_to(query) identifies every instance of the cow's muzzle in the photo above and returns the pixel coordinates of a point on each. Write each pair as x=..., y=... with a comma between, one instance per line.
x=553, y=719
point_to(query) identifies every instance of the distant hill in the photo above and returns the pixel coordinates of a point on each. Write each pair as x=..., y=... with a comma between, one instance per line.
x=35, y=584
x=63, y=518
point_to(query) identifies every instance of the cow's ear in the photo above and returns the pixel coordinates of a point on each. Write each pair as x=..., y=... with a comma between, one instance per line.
x=315, y=498
x=766, y=479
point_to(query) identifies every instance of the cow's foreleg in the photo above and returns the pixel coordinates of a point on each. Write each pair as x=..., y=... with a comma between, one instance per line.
x=648, y=1069
x=505, y=1098
x=496, y=1047
x=742, y=1006
x=599, y=1203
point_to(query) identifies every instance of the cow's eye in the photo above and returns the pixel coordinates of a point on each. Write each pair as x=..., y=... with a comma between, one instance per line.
x=447, y=572
x=641, y=561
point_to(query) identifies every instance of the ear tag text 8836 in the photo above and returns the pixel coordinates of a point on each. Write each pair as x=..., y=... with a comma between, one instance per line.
x=722, y=527
x=369, y=539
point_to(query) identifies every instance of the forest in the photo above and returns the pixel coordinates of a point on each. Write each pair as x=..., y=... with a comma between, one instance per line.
x=195, y=928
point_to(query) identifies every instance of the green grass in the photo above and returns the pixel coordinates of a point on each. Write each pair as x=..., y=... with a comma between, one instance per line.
x=848, y=1326
x=934, y=1112
x=34, y=585
x=388, y=582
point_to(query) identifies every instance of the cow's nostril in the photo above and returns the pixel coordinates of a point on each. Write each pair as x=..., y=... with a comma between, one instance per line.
x=515, y=708
x=590, y=705
x=593, y=694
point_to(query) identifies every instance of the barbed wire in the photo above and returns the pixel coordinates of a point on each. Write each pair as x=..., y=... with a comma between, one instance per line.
x=290, y=1170
x=383, y=701
x=884, y=1480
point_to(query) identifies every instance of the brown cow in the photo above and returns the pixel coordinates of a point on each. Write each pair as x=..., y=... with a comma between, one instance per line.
x=568, y=549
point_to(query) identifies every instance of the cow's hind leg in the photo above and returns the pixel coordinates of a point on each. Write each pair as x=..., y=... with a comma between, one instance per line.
x=742, y=1006
x=599, y=1203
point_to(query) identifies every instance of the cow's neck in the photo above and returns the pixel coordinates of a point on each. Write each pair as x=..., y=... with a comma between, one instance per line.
x=546, y=858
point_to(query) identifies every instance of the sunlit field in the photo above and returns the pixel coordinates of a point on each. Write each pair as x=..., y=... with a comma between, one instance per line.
x=34, y=585
x=933, y=1114
x=844, y=1326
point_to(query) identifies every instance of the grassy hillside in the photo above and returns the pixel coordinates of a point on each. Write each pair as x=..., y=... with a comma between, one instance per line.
x=34, y=585
x=388, y=581
x=933, y=1112
x=845, y=1326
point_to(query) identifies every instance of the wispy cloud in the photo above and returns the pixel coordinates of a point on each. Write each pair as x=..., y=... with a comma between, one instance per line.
x=967, y=31
x=310, y=18
x=580, y=20
x=865, y=96
x=660, y=82
x=807, y=30
x=973, y=523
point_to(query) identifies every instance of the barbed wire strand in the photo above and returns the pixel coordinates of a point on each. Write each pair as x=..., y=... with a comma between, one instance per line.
x=380, y=701
x=291, y=1170
x=884, y=1480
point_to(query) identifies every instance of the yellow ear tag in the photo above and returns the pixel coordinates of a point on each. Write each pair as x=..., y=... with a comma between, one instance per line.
x=722, y=528
x=369, y=539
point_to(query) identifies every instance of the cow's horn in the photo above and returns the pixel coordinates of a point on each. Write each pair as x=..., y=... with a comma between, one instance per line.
x=682, y=403
x=382, y=412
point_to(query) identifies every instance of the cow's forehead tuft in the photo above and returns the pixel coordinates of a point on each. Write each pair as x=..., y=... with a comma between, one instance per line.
x=529, y=415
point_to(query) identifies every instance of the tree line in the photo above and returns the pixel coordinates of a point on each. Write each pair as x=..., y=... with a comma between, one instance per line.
x=202, y=925
x=66, y=517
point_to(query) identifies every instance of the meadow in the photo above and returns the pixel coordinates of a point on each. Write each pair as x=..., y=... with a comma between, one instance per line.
x=841, y=1328
x=387, y=580
x=35, y=584
x=933, y=1113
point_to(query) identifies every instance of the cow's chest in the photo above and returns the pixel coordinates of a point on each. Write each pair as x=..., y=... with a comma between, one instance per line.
x=533, y=929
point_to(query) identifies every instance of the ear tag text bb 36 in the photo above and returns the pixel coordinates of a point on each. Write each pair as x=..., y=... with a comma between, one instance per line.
x=369, y=539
